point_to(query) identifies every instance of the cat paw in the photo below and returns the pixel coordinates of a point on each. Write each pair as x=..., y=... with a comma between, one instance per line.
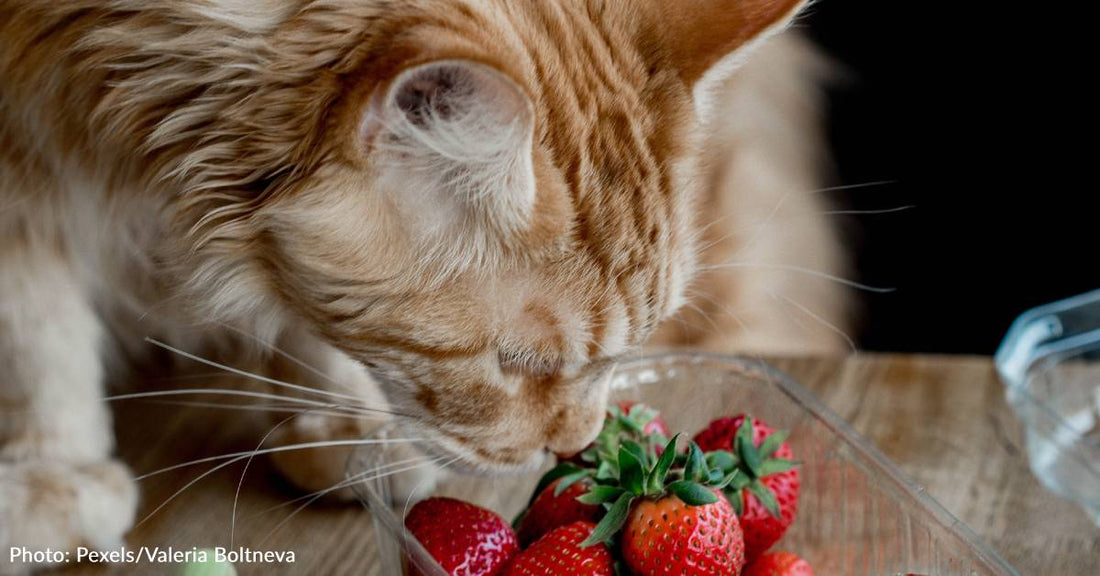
x=409, y=477
x=326, y=472
x=319, y=471
x=62, y=506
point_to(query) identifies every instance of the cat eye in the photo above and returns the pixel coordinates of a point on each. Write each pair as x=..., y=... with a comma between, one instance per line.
x=527, y=363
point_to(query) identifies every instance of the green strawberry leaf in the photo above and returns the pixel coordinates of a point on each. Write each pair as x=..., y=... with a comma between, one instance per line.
x=559, y=471
x=601, y=495
x=612, y=522
x=629, y=423
x=692, y=493
x=771, y=443
x=727, y=480
x=777, y=466
x=656, y=479
x=569, y=480
x=739, y=482
x=722, y=460
x=714, y=476
x=636, y=450
x=766, y=497
x=518, y=520
x=736, y=501
x=745, y=430
x=608, y=470
x=653, y=442
x=696, y=467
x=631, y=474
x=746, y=450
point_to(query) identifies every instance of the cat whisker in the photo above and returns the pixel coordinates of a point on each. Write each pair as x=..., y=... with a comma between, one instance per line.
x=287, y=356
x=182, y=378
x=362, y=477
x=250, y=375
x=244, y=471
x=238, y=456
x=850, y=187
x=843, y=188
x=713, y=302
x=14, y=203
x=744, y=328
x=777, y=296
x=819, y=320
x=234, y=458
x=356, y=409
x=273, y=408
x=704, y=315
x=878, y=212
x=723, y=308
x=408, y=499
x=800, y=270
x=762, y=225
x=354, y=479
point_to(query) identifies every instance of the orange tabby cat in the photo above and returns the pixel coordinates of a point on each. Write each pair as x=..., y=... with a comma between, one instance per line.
x=471, y=207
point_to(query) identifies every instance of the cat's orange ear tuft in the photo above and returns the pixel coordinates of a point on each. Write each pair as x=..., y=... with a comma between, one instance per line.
x=704, y=32
x=456, y=133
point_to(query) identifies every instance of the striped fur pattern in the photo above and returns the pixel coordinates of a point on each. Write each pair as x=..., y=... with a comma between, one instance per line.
x=475, y=206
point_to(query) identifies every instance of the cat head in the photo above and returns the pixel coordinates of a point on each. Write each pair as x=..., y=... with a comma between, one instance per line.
x=486, y=203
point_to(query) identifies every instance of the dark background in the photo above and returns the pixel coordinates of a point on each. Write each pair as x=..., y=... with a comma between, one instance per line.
x=983, y=121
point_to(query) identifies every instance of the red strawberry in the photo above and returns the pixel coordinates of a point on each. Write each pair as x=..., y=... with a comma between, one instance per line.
x=779, y=564
x=654, y=424
x=667, y=536
x=765, y=494
x=670, y=510
x=559, y=553
x=466, y=540
x=553, y=509
x=719, y=434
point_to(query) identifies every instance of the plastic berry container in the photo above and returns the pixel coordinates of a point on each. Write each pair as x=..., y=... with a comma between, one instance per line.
x=1050, y=365
x=859, y=515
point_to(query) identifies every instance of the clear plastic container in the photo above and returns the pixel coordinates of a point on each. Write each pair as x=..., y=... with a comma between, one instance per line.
x=1050, y=364
x=858, y=515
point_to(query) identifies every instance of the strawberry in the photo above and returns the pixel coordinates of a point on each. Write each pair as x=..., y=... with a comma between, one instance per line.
x=672, y=512
x=466, y=540
x=651, y=420
x=559, y=553
x=765, y=494
x=556, y=506
x=667, y=536
x=779, y=564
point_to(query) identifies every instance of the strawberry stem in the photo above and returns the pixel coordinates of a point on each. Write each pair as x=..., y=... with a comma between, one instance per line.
x=749, y=464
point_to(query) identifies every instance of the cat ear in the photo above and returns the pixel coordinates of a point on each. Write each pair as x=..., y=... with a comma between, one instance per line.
x=715, y=35
x=459, y=133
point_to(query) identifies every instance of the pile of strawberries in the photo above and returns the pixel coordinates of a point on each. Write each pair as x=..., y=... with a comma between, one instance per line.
x=636, y=502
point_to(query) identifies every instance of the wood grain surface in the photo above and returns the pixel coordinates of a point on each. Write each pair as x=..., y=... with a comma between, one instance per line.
x=943, y=420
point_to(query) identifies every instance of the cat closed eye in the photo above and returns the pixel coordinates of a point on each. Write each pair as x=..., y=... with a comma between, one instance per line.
x=528, y=363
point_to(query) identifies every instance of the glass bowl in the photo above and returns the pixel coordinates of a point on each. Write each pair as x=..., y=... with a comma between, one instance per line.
x=858, y=514
x=1050, y=365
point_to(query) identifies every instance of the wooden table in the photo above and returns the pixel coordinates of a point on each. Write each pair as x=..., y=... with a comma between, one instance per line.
x=942, y=419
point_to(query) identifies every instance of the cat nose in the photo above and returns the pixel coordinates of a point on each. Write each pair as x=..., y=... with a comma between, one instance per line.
x=567, y=445
x=574, y=428
x=573, y=436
